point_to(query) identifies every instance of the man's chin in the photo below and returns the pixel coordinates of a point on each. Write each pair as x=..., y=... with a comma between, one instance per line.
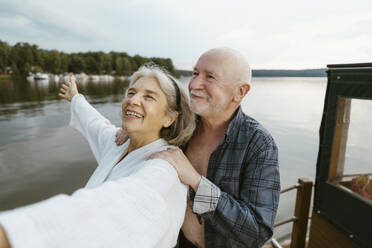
x=199, y=110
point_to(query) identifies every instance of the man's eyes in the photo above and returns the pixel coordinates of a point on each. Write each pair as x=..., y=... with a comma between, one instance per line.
x=210, y=77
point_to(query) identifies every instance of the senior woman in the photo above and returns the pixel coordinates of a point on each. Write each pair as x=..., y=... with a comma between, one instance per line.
x=129, y=201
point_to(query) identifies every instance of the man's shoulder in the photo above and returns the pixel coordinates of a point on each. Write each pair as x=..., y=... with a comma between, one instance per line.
x=250, y=124
x=254, y=130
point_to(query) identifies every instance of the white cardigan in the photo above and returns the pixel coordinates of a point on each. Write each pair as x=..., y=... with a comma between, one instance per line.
x=137, y=203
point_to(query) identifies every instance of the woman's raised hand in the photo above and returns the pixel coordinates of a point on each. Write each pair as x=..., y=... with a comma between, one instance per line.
x=68, y=90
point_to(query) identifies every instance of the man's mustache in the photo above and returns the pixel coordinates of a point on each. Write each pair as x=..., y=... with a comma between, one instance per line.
x=199, y=93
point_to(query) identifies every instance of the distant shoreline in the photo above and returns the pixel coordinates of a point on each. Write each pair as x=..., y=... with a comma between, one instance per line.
x=275, y=73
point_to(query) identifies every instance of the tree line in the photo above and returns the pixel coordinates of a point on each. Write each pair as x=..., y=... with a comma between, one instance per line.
x=290, y=73
x=23, y=58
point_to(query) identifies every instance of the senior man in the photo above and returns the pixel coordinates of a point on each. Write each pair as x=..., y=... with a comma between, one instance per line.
x=230, y=163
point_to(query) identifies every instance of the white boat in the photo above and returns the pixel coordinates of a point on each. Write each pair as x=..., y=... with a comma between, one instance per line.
x=55, y=78
x=39, y=76
x=94, y=78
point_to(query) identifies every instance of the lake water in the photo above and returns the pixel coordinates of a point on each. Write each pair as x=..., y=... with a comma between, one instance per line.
x=40, y=155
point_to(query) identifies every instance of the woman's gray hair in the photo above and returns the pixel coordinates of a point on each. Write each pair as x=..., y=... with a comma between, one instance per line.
x=183, y=127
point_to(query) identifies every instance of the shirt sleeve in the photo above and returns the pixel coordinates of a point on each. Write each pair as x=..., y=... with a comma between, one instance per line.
x=96, y=129
x=133, y=211
x=206, y=197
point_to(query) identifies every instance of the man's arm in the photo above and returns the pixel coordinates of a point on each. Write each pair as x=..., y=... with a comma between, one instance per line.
x=248, y=220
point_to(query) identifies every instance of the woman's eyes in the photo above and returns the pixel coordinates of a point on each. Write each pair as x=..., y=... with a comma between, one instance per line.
x=149, y=97
x=210, y=77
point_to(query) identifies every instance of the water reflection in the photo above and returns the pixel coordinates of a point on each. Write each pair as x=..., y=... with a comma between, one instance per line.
x=18, y=94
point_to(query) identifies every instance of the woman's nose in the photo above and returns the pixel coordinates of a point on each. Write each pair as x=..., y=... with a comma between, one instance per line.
x=135, y=100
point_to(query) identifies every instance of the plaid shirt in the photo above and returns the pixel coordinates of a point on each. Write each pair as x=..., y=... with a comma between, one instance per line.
x=240, y=196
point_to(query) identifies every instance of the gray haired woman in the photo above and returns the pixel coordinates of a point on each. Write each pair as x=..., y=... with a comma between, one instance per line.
x=129, y=201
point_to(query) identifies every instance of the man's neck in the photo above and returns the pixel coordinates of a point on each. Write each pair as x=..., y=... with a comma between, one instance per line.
x=216, y=124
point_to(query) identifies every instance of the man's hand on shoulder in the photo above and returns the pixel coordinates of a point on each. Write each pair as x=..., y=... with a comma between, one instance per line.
x=186, y=172
x=121, y=137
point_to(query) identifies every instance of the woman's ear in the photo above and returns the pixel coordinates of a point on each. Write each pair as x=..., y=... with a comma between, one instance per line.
x=170, y=118
x=241, y=92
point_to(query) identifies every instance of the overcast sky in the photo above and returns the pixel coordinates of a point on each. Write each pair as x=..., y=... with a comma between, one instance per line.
x=272, y=34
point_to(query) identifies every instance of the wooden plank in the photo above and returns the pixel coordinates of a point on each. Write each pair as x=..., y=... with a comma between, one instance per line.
x=340, y=138
x=324, y=234
x=302, y=207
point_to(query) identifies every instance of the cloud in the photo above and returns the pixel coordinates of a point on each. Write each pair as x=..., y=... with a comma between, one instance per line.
x=34, y=22
x=279, y=34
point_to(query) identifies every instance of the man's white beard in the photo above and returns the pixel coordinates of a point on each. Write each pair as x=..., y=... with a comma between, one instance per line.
x=208, y=109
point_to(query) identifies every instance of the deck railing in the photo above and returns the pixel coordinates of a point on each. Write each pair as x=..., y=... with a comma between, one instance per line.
x=301, y=214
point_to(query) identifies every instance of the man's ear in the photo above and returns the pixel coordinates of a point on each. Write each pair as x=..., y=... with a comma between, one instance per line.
x=170, y=119
x=241, y=92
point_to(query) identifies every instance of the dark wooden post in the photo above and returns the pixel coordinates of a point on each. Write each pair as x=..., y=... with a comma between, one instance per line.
x=301, y=213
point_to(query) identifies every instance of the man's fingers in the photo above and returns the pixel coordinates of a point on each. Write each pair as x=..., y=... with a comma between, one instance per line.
x=158, y=155
x=64, y=86
x=62, y=95
x=155, y=155
x=62, y=90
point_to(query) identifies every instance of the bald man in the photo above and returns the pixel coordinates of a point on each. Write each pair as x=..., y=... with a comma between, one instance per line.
x=231, y=162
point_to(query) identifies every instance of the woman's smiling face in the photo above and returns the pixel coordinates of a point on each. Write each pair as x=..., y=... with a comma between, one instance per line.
x=144, y=108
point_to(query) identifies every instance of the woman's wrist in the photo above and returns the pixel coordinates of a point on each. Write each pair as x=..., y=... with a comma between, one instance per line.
x=4, y=243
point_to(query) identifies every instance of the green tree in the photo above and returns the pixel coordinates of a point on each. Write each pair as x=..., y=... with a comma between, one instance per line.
x=23, y=58
x=77, y=64
x=119, y=66
x=4, y=55
x=53, y=63
x=127, y=66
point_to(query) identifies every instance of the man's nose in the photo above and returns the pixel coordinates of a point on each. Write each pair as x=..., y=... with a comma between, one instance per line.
x=196, y=83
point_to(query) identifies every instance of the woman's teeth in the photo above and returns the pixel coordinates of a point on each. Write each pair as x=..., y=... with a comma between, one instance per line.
x=133, y=114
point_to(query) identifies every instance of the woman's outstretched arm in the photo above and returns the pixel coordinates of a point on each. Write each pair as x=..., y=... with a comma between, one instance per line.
x=4, y=243
x=87, y=120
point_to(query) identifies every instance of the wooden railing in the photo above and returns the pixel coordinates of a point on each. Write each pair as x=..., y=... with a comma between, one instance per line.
x=301, y=214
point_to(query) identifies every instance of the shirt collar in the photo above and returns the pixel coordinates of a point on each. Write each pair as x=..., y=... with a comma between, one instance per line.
x=234, y=125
